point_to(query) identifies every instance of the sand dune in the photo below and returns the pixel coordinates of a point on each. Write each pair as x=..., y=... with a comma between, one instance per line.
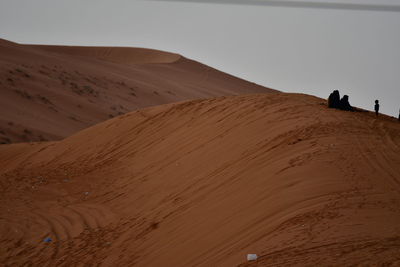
x=125, y=55
x=203, y=183
x=51, y=92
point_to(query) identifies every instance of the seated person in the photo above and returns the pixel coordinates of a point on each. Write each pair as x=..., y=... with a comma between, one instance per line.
x=344, y=103
x=334, y=99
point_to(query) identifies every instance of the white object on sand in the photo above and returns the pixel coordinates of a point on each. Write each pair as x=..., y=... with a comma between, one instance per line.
x=251, y=257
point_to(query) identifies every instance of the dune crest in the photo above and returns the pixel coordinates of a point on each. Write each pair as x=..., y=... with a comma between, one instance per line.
x=204, y=183
x=125, y=55
x=51, y=92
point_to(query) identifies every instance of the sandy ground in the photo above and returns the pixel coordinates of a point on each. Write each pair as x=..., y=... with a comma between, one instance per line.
x=203, y=183
x=51, y=92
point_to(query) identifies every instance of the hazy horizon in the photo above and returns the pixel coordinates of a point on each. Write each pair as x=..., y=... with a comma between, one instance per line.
x=302, y=50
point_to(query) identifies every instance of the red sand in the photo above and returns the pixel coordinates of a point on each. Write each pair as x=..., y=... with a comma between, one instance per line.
x=205, y=182
x=51, y=92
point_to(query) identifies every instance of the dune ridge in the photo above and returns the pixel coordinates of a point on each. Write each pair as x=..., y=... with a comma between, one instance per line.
x=51, y=92
x=203, y=183
x=126, y=55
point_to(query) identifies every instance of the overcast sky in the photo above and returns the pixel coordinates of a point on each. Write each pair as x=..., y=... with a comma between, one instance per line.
x=308, y=50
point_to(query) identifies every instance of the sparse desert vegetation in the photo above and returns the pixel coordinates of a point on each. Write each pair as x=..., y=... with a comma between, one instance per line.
x=54, y=84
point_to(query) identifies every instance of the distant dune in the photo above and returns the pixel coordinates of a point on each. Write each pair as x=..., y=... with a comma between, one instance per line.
x=124, y=55
x=205, y=182
x=51, y=92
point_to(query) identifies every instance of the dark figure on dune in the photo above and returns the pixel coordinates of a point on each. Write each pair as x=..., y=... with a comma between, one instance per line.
x=344, y=103
x=376, y=107
x=334, y=99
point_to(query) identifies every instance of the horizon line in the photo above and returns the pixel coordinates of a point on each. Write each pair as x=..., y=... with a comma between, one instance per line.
x=296, y=4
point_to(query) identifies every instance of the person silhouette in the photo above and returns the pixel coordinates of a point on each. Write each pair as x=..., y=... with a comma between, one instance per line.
x=334, y=99
x=376, y=107
x=344, y=103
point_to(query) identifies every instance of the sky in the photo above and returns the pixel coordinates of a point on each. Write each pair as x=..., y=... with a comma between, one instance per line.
x=289, y=48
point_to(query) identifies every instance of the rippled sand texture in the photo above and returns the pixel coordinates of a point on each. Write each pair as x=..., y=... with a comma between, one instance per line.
x=51, y=92
x=205, y=182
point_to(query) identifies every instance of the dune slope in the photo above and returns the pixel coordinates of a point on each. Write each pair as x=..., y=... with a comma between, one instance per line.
x=203, y=183
x=51, y=92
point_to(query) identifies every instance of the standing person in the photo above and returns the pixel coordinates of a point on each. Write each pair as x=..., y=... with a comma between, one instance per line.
x=376, y=107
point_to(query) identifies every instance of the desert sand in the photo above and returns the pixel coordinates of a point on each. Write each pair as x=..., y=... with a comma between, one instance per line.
x=51, y=92
x=205, y=182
